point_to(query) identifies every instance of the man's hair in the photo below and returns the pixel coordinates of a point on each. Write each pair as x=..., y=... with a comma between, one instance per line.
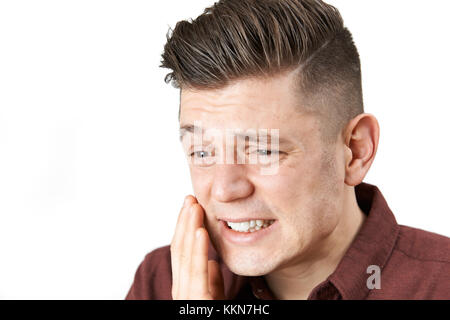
x=238, y=39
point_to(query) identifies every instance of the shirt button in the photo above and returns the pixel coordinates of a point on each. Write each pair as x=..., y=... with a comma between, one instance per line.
x=256, y=294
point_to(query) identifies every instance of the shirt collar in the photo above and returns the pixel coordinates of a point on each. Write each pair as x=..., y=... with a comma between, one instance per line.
x=372, y=245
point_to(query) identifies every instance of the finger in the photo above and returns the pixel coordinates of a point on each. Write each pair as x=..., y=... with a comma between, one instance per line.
x=195, y=221
x=188, y=201
x=175, y=246
x=199, y=265
x=177, y=238
x=215, y=280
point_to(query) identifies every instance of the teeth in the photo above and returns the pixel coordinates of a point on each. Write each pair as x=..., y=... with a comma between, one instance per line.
x=250, y=226
x=244, y=226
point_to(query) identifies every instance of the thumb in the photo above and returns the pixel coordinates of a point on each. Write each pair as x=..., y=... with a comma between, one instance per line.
x=215, y=281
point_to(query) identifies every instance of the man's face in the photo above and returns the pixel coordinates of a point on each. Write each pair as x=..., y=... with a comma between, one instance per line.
x=304, y=196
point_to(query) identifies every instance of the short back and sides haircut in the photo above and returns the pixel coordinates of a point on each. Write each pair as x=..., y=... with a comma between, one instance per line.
x=238, y=39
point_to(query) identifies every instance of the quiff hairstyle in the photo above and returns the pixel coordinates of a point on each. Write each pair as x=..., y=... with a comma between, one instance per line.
x=238, y=39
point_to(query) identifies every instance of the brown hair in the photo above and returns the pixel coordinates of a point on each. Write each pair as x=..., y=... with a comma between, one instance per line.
x=236, y=39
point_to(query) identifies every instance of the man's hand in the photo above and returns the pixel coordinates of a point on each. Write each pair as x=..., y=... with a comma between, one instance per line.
x=193, y=276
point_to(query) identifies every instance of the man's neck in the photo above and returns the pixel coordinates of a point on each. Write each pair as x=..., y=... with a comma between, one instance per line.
x=297, y=282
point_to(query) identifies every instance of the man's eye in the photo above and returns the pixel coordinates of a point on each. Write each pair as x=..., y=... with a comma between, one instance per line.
x=199, y=154
x=265, y=152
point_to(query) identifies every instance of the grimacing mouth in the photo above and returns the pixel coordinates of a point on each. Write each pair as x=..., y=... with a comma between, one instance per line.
x=247, y=225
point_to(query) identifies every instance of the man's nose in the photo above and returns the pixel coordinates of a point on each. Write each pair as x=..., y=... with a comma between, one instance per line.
x=231, y=183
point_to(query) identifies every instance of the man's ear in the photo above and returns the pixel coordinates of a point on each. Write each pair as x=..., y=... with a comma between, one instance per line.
x=361, y=138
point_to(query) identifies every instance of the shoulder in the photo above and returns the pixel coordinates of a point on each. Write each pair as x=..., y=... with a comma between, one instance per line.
x=423, y=245
x=153, y=278
x=158, y=255
x=418, y=268
x=421, y=263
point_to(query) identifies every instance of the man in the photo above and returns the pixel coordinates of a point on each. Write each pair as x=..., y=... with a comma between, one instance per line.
x=310, y=228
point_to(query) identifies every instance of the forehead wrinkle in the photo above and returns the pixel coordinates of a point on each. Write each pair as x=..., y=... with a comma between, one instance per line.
x=250, y=96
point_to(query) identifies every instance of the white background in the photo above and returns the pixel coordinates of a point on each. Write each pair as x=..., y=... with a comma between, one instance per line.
x=92, y=175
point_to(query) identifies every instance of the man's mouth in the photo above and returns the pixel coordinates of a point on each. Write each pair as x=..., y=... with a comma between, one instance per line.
x=249, y=225
x=247, y=230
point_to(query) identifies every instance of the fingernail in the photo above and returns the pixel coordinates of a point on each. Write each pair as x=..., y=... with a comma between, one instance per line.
x=197, y=233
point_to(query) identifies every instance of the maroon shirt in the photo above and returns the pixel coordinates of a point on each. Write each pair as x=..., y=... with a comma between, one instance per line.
x=414, y=264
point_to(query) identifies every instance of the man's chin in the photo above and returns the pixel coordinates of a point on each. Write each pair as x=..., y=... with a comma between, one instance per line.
x=248, y=266
x=245, y=261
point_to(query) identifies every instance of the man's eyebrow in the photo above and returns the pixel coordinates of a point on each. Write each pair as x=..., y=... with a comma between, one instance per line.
x=188, y=128
x=191, y=128
x=251, y=137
